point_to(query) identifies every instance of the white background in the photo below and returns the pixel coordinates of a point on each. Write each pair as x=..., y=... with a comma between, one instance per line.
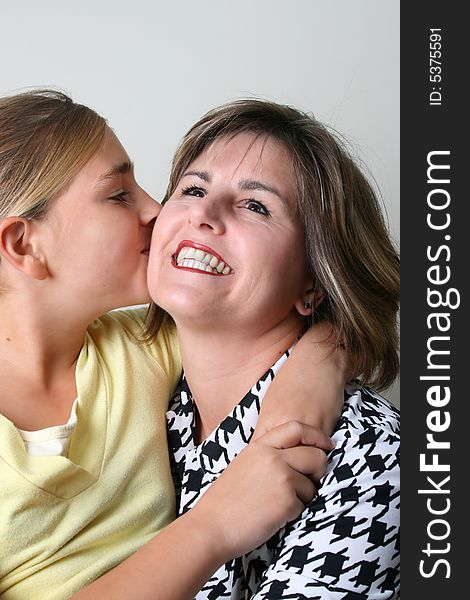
x=153, y=68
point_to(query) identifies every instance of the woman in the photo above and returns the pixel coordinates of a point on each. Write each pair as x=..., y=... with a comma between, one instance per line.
x=84, y=460
x=291, y=231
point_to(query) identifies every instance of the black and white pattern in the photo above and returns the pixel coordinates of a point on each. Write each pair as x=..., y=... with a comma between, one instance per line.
x=346, y=542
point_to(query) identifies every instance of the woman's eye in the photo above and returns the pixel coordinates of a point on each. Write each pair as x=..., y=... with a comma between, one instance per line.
x=257, y=207
x=193, y=190
x=121, y=198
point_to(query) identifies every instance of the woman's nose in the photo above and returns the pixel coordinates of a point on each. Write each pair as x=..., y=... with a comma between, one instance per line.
x=207, y=213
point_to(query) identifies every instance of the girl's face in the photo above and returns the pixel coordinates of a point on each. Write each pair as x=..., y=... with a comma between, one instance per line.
x=228, y=246
x=96, y=233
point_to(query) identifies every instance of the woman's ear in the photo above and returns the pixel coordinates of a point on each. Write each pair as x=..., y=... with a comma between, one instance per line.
x=310, y=299
x=17, y=248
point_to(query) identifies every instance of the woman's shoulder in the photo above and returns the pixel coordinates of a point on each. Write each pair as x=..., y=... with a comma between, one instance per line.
x=367, y=451
x=365, y=410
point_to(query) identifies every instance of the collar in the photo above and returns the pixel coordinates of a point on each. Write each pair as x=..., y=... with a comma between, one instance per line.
x=233, y=433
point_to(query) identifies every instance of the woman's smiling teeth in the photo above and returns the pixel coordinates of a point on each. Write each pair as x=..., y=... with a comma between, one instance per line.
x=193, y=258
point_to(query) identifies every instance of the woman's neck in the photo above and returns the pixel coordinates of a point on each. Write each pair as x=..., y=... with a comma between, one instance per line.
x=221, y=366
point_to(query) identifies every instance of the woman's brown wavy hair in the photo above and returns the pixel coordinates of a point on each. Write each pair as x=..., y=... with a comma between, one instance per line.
x=349, y=249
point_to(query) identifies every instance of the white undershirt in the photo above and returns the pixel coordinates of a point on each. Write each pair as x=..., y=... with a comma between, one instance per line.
x=51, y=441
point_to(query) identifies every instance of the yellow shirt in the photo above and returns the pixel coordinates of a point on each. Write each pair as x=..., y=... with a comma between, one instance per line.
x=66, y=521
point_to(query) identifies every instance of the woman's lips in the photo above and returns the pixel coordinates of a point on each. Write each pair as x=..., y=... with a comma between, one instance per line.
x=200, y=258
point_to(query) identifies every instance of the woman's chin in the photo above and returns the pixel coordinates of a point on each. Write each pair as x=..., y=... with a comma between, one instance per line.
x=191, y=314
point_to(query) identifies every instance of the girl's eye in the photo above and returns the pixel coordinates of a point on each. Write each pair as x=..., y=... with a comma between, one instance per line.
x=122, y=198
x=193, y=190
x=257, y=207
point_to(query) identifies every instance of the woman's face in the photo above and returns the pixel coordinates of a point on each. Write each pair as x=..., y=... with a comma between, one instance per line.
x=228, y=246
x=96, y=233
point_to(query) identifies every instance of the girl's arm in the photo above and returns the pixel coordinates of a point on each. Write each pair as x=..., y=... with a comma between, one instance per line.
x=310, y=386
x=266, y=486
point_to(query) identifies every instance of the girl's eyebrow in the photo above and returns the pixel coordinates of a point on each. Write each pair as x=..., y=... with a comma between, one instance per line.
x=120, y=169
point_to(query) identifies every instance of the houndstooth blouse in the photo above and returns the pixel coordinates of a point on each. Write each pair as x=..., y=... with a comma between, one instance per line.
x=345, y=544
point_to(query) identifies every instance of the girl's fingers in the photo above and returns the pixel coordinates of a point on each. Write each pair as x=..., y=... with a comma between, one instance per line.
x=307, y=460
x=294, y=433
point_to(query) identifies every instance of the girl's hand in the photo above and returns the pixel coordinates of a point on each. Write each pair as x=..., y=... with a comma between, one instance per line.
x=265, y=486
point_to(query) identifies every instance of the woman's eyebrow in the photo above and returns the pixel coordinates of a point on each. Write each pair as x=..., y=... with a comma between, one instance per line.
x=254, y=185
x=244, y=184
x=204, y=175
x=120, y=169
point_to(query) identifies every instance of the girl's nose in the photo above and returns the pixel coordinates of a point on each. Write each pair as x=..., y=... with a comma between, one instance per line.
x=150, y=208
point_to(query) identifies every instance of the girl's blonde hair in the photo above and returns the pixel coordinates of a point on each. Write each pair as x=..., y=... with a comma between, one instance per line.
x=349, y=249
x=45, y=139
